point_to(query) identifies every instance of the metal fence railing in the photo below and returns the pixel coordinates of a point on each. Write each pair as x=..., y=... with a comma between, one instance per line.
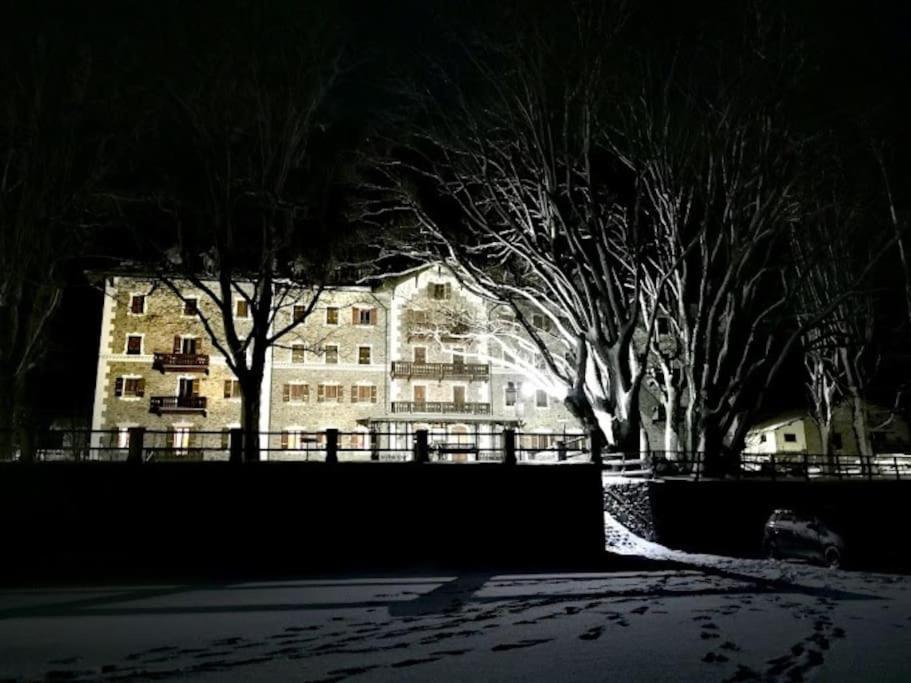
x=784, y=466
x=479, y=445
x=364, y=445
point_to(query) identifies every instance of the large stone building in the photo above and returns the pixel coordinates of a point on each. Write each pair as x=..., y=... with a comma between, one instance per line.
x=375, y=362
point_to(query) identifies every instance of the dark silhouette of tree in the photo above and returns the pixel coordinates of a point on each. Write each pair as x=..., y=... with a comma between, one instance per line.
x=53, y=152
x=242, y=182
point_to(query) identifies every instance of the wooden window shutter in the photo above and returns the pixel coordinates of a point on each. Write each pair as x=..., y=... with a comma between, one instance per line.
x=177, y=344
x=353, y=393
x=286, y=392
x=140, y=387
x=341, y=393
x=195, y=387
x=306, y=393
x=354, y=316
x=447, y=290
x=198, y=344
x=373, y=316
x=228, y=386
x=225, y=438
x=373, y=394
x=118, y=386
x=284, y=443
x=320, y=393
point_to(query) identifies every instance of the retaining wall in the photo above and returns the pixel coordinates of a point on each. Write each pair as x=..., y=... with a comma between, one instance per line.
x=97, y=520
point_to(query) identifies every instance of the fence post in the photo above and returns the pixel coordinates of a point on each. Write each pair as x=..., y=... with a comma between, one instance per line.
x=869, y=466
x=331, y=445
x=509, y=446
x=421, y=446
x=806, y=466
x=137, y=437
x=895, y=465
x=374, y=444
x=561, y=451
x=595, y=444
x=774, y=466
x=236, y=445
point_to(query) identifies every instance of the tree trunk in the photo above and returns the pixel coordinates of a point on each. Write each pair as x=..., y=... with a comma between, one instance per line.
x=671, y=440
x=859, y=423
x=250, y=410
x=6, y=419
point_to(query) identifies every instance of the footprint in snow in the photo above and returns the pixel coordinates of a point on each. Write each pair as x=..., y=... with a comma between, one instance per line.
x=593, y=633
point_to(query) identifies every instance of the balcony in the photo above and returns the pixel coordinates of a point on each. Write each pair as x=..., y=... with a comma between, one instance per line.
x=159, y=405
x=440, y=408
x=470, y=371
x=181, y=362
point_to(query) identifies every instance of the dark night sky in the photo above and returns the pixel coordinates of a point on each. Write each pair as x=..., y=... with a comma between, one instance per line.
x=862, y=49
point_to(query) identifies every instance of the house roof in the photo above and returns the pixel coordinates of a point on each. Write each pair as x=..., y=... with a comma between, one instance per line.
x=780, y=420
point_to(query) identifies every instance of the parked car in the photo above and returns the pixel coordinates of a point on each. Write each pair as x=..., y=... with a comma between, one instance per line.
x=791, y=534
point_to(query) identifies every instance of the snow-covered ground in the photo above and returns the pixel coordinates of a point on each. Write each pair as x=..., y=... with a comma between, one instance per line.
x=707, y=619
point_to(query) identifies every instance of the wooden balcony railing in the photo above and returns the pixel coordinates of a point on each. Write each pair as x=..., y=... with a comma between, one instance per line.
x=440, y=407
x=181, y=362
x=471, y=371
x=177, y=404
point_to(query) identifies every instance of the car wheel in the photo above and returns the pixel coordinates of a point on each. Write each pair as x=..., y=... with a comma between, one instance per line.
x=771, y=551
x=833, y=558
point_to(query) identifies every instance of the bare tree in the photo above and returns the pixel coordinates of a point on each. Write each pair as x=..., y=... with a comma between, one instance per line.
x=534, y=212
x=244, y=191
x=51, y=157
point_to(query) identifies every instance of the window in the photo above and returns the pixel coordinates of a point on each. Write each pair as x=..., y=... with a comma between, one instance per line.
x=296, y=392
x=420, y=354
x=331, y=354
x=138, y=304
x=123, y=437
x=292, y=439
x=510, y=393
x=440, y=290
x=187, y=387
x=663, y=325
x=132, y=387
x=189, y=346
x=458, y=356
x=242, y=309
x=232, y=388
x=299, y=313
x=419, y=393
x=332, y=315
x=190, y=306
x=363, y=316
x=359, y=440
x=790, y=437
x=418, y=318
x=298, y=353
x=363, y=393
x=329, y=393
x=134, y=344
x=363, y=355
x=458, y=395
x=540, y=398
x=659, y=413
x=538, y=442
x=180, y=440
x=762, y=438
